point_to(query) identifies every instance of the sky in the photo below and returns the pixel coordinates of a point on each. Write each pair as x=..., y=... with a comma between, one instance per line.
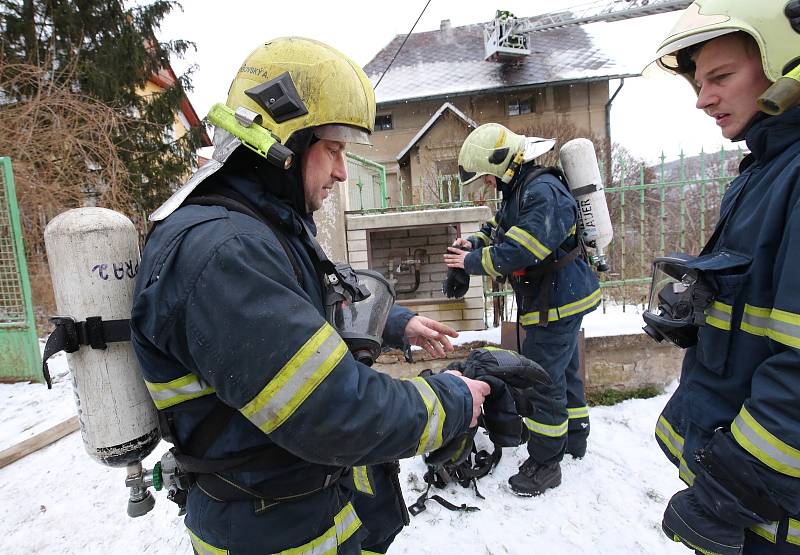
x=60, y=501
x=650, y=114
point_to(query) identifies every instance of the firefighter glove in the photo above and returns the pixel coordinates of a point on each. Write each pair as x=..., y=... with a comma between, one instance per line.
x=456, y=284
x=792, y=12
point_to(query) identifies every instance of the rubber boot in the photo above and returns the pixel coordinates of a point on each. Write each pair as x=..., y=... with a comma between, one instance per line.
x=534, y=479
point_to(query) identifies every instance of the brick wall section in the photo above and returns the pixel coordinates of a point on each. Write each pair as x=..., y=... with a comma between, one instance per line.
x=372, y=240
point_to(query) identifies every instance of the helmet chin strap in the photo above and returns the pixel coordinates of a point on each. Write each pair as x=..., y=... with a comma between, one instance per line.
x=513, y=167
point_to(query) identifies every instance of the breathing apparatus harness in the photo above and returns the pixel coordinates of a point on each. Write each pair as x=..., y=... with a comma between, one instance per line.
x=509, y=376
x=535, y=280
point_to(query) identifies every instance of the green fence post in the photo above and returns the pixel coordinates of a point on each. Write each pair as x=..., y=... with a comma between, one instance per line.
x=20, y=358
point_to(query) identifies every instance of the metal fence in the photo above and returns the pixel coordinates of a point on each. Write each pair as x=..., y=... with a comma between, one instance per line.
x=19, y=347
x=366, y=184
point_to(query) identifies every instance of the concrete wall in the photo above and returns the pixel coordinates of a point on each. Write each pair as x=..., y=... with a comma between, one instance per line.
x=624, y=362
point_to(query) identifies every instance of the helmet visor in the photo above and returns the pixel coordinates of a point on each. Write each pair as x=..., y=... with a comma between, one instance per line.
x=343, y=133
x=466, y=176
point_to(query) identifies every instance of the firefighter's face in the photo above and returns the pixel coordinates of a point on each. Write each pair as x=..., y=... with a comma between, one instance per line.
x=323, y=165
x=730, y=78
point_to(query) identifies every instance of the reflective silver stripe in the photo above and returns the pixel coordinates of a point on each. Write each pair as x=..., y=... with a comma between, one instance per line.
x=482, y=237
x=764, y=446
x=528, y=241
x=671, y=440
x=203, y=548
x=767, y=531
x=719, y=315
x=755, y=320
x=361, y=479
x=578, y=412
x=548, y=430
x=785, y=327
x=793, y=533
x=486, y=262
x=344, y=525
x=432, y=434
x=178, y=390
x=295, y=382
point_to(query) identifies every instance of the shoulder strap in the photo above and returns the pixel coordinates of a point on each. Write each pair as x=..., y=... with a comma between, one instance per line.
x=236, y=203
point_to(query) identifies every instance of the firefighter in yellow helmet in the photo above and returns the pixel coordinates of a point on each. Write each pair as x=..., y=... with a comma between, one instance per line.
x=532, y=243
x=286, y=436
x=733, y=425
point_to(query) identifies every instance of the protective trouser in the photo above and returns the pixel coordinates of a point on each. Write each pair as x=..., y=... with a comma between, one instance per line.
x=380, y=513
x=560, y=407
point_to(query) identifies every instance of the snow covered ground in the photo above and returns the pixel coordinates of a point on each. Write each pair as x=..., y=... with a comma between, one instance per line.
x=59, y=500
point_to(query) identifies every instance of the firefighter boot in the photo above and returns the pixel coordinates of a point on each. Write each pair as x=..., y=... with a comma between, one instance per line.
x=686, y=521
x=534, y=478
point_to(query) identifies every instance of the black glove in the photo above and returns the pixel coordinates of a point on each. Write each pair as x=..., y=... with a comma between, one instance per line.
x=792, y=12
x=456, y=284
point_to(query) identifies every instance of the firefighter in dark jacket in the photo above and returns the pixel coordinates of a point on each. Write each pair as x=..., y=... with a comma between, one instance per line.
x=295, y=439
x=733, y=425
x=532, y=242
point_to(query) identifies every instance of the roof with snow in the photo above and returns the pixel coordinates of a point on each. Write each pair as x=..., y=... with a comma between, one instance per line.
x=451, y=60
x=425, y=128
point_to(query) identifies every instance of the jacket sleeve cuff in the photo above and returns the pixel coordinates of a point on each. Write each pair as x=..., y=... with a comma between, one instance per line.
x=395, y=329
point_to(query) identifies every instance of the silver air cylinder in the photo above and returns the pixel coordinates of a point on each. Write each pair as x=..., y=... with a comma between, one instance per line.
x=93, y=255
x=579, y=162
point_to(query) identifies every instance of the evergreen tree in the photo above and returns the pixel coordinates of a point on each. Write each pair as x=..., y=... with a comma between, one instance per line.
x=107, y=50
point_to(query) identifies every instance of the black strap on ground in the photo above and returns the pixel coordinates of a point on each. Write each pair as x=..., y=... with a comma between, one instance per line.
x=419, y=505
x=69, y=336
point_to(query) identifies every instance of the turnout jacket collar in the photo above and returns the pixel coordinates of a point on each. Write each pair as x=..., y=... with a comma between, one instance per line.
x=773, y=135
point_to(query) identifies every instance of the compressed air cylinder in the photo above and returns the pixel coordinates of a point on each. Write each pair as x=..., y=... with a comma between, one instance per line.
x=93, y=255
x=579, y=162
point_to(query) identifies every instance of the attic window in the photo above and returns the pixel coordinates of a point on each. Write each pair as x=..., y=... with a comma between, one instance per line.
x=520, y=106
x=383, y=122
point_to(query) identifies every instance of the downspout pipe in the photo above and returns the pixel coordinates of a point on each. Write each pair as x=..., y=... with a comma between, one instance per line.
x=608, y=130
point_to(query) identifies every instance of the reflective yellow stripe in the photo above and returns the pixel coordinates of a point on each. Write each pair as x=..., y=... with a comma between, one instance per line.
x=178, y=390
x=529, y=242
x=548, y=430
x=719, y=315
x=578, y=412
x=361, y=479
x=571, y=231
x=486, y=262
x=492, y=222
x=203, y=548
x=764, y=446
x=793, y=533
x=432, y=434
x=576, y=307
x=293, y=383
x=482, y=238
x=674, y=444
x=755, y=320
x=767, y=531
x=345, y=524
x=784, y=327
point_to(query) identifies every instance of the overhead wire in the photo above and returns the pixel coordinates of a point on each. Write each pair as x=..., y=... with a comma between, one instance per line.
x=402, y=44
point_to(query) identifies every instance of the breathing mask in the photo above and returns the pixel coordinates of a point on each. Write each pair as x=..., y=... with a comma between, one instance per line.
x=679, y=296
x=357, y=304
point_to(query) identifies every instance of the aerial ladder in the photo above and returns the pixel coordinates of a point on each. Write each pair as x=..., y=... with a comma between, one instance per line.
x=507, y=37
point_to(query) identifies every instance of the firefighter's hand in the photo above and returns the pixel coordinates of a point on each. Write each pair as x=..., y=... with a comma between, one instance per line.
x=463, y=244
x=479, y=390
x=455, y=257
x=430, y=335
